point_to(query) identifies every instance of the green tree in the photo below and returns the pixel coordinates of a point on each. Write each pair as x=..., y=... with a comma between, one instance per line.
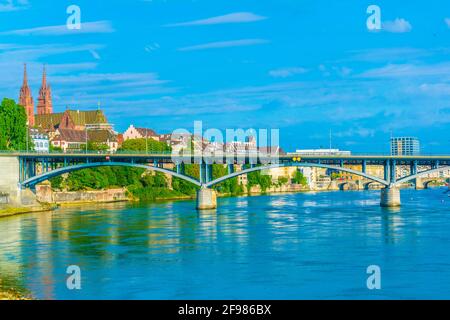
x=257, y=178
x=230, y=186
x=96, y=146
x=282, y=181
x=139, y=145
x=57, y=183
x=13, y=126
x=184, y=187
x=299, y=178
x=336, y=175
x=52, y=148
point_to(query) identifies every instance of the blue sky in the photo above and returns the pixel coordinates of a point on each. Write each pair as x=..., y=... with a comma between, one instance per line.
x=302, y=66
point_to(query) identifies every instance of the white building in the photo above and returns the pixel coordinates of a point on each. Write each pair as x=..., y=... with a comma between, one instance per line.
x=321, y=152
x=405, y=146
x=40, y=140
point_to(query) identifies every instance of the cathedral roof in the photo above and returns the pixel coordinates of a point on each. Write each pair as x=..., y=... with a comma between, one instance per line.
x=48, y=121
x=79, y=118
x=87, y=117
x=101, y=136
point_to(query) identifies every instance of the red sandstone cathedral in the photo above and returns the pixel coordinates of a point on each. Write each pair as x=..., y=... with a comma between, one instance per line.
x=70, y=129
x=44, y=101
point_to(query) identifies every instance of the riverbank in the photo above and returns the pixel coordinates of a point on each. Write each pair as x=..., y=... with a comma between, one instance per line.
x=8, y=293
x=11, y=210
x=12, y=295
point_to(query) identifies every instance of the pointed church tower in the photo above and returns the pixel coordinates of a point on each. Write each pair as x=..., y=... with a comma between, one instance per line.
x=26, y=99
x=45, y=96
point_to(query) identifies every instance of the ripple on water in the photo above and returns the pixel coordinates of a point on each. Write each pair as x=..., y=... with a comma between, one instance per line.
x=306, y=245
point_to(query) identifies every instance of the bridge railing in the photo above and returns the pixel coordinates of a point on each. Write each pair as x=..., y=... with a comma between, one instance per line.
x=185, y=153
x=84, y=152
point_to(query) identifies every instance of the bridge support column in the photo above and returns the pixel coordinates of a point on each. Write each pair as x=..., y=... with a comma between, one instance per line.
x=390, y=197
x=419, y=184
x=206, y=199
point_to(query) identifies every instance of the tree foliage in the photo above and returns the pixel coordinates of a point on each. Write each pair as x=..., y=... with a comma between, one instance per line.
x=299, y=178
x=139, y=145
x=97, y=146
x=230, y=186
x=13, y=126
x=257, y=178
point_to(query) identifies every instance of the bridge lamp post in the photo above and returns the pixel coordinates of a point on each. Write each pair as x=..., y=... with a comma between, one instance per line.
x=28, y=132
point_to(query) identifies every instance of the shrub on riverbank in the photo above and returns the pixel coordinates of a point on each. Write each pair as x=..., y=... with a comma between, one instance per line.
x=141, y=184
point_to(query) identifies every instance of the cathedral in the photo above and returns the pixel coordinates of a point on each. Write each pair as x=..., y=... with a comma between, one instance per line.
x=44, y=101
x=68, y=130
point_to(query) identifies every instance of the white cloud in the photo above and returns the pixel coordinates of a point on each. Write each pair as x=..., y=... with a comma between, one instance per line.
x=225, y=44
x=95, y=54
x=287, y=72
x=447, y=21
x=399, y=25
x=11, y=5
x=152, y=47
x=408, y=71
x=19, y=53
x=389, y=54
x=86, y=27
x=359, y=131
x=238, y=17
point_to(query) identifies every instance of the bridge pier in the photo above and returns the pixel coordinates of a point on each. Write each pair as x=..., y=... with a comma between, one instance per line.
x=206, y=199
x=390, y=197
x=419, y=184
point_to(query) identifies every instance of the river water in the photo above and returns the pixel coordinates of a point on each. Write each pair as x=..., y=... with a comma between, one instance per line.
x=289, y=246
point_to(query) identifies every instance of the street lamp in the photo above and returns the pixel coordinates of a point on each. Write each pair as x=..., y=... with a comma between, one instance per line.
x=28, y=133
x=146, y=141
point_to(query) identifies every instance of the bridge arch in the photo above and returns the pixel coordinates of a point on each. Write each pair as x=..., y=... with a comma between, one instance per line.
x=366, y=185
x=57, y=172
x=420, y=174
x=347, y=186
x=308, y=165
x=427, y=183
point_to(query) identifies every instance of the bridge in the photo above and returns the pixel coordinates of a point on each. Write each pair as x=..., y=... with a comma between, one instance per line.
x=20, y=170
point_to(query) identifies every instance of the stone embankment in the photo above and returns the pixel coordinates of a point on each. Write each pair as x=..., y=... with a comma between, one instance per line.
x=45, y=194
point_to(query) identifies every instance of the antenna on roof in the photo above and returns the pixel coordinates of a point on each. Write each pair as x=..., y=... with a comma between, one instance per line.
x=98, y=105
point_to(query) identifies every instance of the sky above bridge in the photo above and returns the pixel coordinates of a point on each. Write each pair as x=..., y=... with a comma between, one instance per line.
x=302, y=66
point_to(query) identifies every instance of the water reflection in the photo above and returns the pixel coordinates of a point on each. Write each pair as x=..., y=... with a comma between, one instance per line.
x=275, y=246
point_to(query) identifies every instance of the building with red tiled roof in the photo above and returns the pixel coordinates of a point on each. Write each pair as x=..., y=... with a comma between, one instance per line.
x=75, y=140
x=69, y=139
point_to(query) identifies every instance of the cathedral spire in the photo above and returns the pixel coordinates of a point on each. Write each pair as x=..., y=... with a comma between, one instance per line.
x=26, y=99
x=45, y=96
x=25, y=77
x=44, y=77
